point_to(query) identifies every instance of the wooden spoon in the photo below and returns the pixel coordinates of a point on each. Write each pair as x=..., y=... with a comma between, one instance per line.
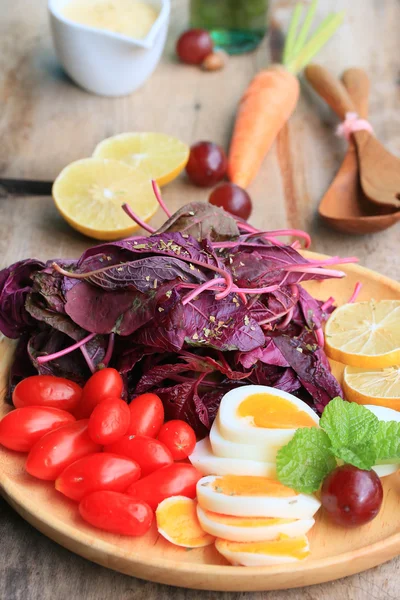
x=379, y=170
x=344, y=206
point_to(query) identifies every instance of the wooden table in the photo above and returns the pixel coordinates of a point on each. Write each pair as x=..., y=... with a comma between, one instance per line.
x=46, y=122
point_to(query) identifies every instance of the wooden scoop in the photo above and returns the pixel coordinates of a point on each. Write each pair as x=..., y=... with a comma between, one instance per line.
x=379, y=170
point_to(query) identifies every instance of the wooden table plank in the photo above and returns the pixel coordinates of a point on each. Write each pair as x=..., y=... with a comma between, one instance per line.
x=46, y=122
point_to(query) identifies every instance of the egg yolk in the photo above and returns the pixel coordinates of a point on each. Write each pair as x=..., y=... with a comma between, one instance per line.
x=295, y=547
x=273, y=412
x=251, y=485
x=179, y=521
x=245, y=521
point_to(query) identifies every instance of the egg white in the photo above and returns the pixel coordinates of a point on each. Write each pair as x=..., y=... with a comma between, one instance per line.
x=299, y=506
x=227, y=449
x=238, y=429
x=207, y=463
x=236, y=533
x=248, y=559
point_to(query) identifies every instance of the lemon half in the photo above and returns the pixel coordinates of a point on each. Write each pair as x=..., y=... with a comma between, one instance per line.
x=365, y=334
x=157, y=155
x=89, y=194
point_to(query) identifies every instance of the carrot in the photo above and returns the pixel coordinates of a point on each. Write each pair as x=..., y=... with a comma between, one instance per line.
x=272, y=97
x=267, y=104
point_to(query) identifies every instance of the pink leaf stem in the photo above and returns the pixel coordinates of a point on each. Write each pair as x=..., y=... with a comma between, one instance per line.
x=49, y=357
x=201, y=288
x=319, y=334
x=354, y=295
x=160, y=201
x=89, y=361
x=127, y=209
x=327, y=304
x=110, y=349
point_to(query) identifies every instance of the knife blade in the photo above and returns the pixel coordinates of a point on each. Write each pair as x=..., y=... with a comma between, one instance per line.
x=25, y=187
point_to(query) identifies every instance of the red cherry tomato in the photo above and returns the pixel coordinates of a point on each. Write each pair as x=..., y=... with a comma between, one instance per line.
x=179, y=479
x=47, y=390
x=100, y=471
x=351, y=496
x=207, y=164
x=58, y=449
x=109, y=421
x=150, y=454
x=117, y=513
x=20, y=429
x=147, y=415
x=103, y=384
x=194, y=45
x=179, y=438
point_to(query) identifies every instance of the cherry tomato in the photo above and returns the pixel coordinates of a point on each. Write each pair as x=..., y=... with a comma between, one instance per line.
x=194, y=45
x=109, y=421
x=117, y=513
x=150, y=454
x=21, y=428
x=351, y=496
x=100, y=471
x=179, y=479
x=47, y=390
x=233, y=199
x=58, y=449
x=147, y=415
x=103, y=384
x=179, y=438
x=207, y=164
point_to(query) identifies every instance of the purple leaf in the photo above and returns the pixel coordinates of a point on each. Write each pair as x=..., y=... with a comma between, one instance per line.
x=146, y=274
x=15, y=285
x=202, y=220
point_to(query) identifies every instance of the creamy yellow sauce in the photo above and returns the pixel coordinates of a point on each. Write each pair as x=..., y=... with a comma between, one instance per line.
x=127, y=17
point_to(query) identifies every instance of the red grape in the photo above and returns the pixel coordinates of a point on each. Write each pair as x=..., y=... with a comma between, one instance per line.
x=233, y=199
x=351, y=496
x=193, y=46
x=207, y=164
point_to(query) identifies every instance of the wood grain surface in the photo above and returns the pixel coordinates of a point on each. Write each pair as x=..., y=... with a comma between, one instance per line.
x=46, y=122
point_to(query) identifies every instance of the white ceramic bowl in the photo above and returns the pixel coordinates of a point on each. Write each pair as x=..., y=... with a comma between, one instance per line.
x=106, y=63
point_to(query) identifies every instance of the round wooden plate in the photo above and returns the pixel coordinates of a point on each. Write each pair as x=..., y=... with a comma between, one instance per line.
x=335, y=552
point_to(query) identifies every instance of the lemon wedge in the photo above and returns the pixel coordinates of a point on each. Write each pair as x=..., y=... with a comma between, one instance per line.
x=157, y=155
x=365, y=334
x=89, y=194
x=373, y=386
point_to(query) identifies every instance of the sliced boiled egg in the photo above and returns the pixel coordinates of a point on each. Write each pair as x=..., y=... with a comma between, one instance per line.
x=250, y=496
x=383, y=413
x=207, y=463
x=258, y=414
x=227, y=449
x=258, y=554
x=251, y=529
x=177, y=521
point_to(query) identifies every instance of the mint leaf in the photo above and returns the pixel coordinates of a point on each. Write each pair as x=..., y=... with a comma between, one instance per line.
x=304, y=462
x=348, y=425
x=387, y=440
x=362, y=456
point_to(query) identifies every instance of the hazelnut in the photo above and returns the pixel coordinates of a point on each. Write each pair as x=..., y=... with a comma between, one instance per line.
x=215, y=61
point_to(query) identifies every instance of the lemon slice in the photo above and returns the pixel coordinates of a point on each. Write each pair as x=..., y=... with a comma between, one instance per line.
x=89, y=194
x=373, y=386
x=365, y=334
x=157, y=155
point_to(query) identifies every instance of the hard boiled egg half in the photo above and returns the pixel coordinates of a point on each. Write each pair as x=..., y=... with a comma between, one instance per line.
x=263, y=416
x=251, y=496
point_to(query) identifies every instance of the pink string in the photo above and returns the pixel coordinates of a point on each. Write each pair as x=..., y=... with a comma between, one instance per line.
x=351, y=124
